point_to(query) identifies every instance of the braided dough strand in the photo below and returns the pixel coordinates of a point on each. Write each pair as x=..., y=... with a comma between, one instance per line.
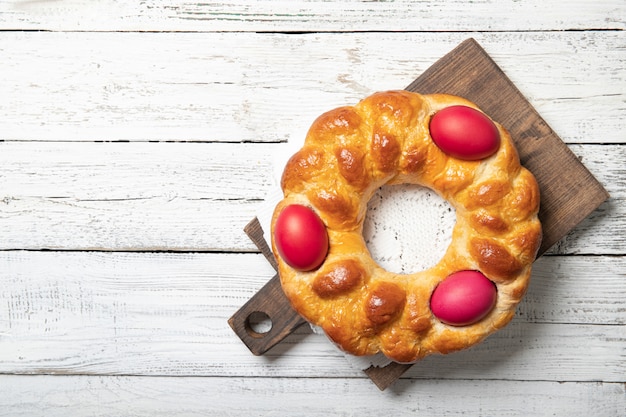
x=348, y=154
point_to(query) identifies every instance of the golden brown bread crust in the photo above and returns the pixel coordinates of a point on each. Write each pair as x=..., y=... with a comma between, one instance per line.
x=348, y=154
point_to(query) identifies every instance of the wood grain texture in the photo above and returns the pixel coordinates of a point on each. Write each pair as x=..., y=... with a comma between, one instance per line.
x=83, y=87
x=198, y=197
x=164, y=196
x=317, y=15
x=242, y=77
x=26, y=396
x=155, y=314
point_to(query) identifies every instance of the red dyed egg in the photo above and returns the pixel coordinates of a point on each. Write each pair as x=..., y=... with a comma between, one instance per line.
x=465, y=133
x=301, y=238
x=463, y=298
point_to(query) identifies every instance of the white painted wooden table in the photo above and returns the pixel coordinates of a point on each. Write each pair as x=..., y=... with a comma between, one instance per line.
x=138, y=139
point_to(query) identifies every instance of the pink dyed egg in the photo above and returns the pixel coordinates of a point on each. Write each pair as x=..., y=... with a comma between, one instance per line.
x=463, y=298
x=300, y=237
x=465, y=133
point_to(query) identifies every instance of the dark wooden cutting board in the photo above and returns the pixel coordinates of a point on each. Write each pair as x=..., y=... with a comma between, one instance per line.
x=569, y=192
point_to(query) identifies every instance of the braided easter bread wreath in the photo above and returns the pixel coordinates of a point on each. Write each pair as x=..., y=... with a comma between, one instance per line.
x=438, y=141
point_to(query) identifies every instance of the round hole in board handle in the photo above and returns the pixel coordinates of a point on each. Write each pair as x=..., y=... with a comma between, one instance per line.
x=258, y=324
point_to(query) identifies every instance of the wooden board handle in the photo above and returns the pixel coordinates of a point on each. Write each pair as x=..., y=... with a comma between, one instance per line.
x=255, y=233
x=269, y=302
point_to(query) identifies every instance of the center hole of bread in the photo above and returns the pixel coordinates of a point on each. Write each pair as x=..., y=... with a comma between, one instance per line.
x=408, y=228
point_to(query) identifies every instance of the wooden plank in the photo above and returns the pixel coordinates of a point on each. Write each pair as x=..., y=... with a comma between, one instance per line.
x=132, y=196
x=557, y=289
x=301, y=15
x=83, y=87
x=155, y=314
x=194, y=196
x=522, y=351
x=157, y=223
x=135, y=171
x=298, y=397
